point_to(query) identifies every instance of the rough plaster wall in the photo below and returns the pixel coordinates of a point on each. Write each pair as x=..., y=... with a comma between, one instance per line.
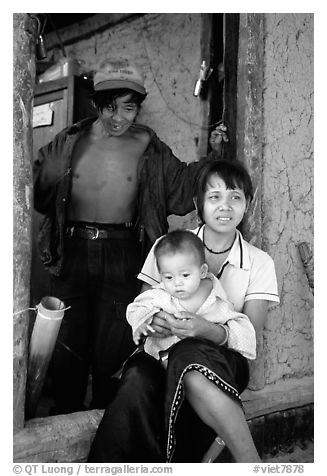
x=288, y=188
x=167, y=48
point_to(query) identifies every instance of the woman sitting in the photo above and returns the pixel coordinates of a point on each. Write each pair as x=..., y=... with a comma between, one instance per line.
x=174, y=415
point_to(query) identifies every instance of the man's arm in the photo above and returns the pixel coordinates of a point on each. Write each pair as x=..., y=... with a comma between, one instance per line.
x=180, y=177
x=49, y=168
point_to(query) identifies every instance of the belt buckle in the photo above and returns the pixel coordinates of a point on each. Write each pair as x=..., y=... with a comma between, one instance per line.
x=70, y=231
x=95, y=232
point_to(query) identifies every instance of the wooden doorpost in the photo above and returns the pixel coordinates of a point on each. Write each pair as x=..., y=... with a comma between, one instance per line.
x=250, y=139
x=24, y=76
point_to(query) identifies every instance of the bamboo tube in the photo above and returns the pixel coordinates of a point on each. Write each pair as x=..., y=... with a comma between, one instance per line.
x=49, y=316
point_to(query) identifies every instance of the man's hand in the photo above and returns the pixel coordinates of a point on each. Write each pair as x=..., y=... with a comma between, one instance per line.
x=217, y=137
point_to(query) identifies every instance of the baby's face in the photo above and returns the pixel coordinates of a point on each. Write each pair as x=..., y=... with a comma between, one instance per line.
x=181, y=273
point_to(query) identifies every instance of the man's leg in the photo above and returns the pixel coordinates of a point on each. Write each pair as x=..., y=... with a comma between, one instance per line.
x=112, y=345
x=69, y=367
x=113, y=341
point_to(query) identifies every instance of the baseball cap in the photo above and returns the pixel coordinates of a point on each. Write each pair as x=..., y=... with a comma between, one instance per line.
x=117, y=74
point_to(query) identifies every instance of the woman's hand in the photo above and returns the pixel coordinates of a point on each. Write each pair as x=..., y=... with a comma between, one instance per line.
x=217, y=137
x=160, y=324
x=189, y=325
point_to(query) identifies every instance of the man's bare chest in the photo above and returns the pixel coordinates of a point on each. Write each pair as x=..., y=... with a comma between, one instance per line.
x=101, y=164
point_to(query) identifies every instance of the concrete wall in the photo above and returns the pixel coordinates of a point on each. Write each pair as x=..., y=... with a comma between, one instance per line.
x=287, y=201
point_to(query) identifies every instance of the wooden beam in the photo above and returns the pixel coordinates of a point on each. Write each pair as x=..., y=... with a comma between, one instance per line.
x=230, y=88
x=24, y=76
x=277, y=397
x=84, y=29
x=57, y=439
x=250, y=114
x=250, y=140
x=205, y=43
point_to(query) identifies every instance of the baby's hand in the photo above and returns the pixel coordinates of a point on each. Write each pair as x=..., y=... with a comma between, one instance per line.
x=142, y=331
x=185, y=315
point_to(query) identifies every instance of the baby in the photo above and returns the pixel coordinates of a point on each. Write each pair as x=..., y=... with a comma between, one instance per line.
x=187, y=287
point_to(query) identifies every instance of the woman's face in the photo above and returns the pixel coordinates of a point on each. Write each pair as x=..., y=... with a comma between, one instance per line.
x=223, y=209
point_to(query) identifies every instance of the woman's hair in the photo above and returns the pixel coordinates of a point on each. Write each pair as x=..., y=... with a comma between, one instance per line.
x=183, y=241
x=232, y=172
x=103, y=99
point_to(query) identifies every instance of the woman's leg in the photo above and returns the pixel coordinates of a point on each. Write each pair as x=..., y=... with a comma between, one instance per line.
x=132, y=428
x=222, y=414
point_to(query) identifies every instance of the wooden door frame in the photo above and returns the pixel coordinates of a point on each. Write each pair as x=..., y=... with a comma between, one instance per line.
x=210, y=37
x=243, y=114
x=249, y=140
x=24, y=76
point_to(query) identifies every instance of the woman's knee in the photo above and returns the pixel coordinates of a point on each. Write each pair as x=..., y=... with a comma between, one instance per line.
x=194, y=382
x=198, y=386
x=184, y=349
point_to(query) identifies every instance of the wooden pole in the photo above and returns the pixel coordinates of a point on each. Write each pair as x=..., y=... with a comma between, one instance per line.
x=250, y=141
x=24, y=76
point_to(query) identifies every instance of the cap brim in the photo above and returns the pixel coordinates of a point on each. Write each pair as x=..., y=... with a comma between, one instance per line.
x=119, y=84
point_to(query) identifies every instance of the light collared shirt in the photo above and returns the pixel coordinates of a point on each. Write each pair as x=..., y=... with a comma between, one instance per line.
x=215, y=308
x=247, y=273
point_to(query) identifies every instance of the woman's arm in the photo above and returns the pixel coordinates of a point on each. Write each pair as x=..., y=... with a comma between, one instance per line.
x=256, y=310
x=145, y=287
x=193, y=325
x=237, y=333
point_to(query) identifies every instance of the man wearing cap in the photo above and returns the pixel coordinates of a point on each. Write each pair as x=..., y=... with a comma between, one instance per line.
x=106, y=186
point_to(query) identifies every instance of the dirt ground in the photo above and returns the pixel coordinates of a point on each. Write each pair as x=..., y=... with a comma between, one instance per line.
x=300, y=454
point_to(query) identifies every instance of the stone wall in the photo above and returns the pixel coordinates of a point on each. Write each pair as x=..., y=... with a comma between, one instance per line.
x=287, y=202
